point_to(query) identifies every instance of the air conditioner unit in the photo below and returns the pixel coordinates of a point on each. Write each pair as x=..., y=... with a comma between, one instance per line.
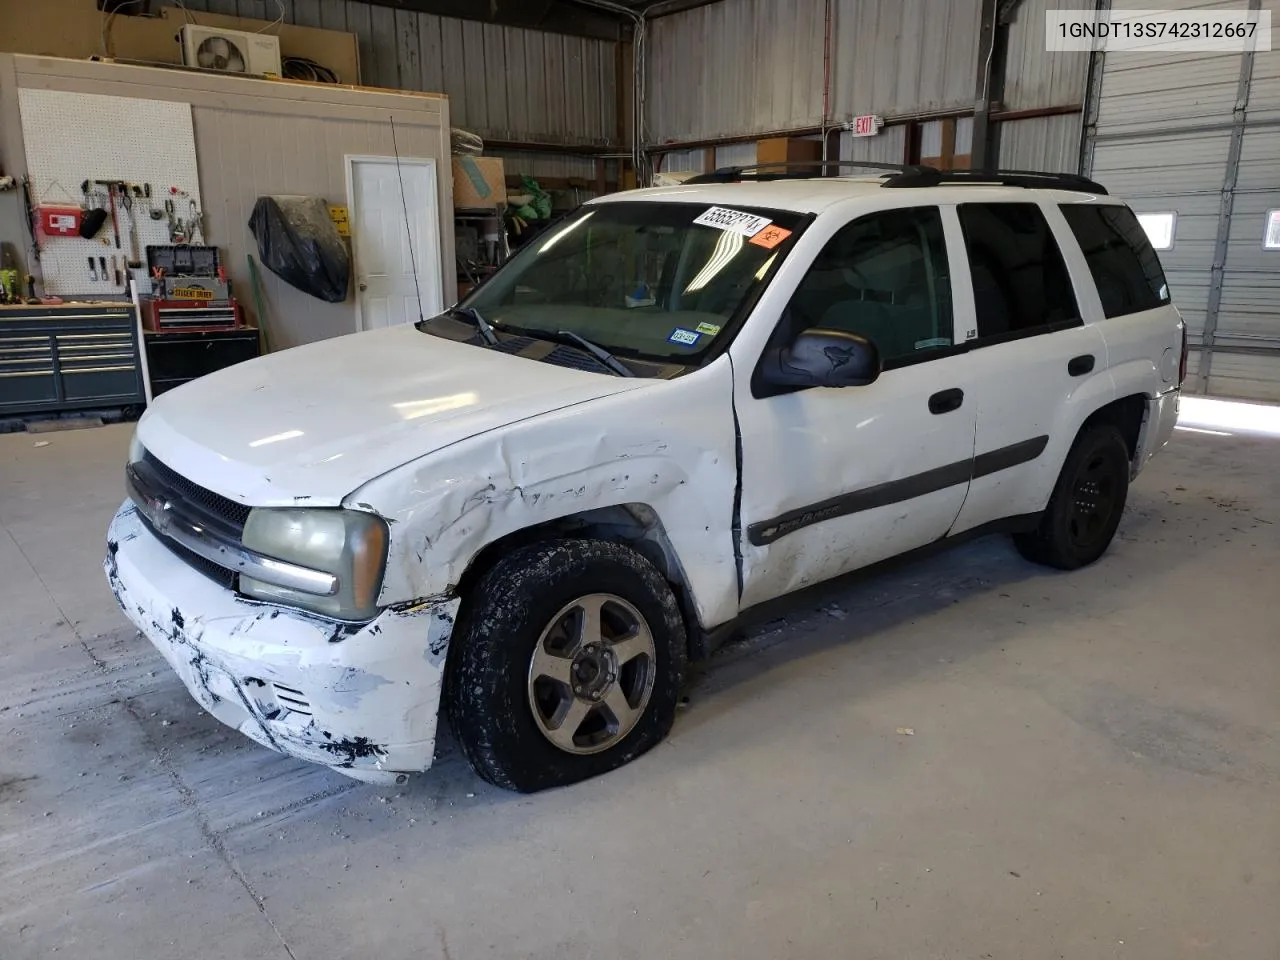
x=230, y=51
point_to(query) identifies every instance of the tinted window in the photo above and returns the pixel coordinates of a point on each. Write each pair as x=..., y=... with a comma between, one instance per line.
x=1124, y=267
x=1019, y=280
x=884, y=277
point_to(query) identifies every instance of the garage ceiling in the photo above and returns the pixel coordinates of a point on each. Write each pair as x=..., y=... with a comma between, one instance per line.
x=558, y=16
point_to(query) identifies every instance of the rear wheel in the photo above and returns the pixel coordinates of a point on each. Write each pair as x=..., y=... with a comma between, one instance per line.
x=1087, y=503
x=566, y=663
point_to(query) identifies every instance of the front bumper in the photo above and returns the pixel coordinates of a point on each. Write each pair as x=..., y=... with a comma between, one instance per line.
x=361, y=699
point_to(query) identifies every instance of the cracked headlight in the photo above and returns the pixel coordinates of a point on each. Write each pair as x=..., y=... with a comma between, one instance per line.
x=350, y=544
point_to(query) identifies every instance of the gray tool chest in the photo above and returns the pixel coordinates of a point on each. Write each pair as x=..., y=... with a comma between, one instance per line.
x=74, y=356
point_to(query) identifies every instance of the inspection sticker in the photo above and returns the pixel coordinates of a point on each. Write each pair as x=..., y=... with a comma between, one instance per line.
x=683, y=337
x=733, y=221
x=710, y=329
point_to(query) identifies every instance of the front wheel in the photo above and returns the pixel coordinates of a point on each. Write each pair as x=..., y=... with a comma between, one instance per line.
x=566, y=663
x=1087, y=502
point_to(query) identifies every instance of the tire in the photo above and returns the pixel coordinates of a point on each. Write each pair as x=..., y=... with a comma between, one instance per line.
x=1087, y=503
x=535, y=706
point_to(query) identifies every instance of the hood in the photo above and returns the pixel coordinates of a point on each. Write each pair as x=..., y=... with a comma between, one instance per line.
x=311, y=424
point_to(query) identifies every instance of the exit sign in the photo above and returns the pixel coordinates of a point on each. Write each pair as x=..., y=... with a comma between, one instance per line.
x=867, y=126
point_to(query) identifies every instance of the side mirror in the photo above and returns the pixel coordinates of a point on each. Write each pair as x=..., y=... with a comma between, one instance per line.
x=823, y=358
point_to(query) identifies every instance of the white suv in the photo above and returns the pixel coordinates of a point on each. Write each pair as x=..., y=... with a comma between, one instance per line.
x=668, y=409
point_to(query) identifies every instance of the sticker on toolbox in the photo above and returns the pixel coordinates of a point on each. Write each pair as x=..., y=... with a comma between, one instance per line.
x=732, y=221
x=770, y=237
x=191, y=293
x=686, y=338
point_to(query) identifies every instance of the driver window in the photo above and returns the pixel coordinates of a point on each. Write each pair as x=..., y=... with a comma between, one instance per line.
x=884, y=277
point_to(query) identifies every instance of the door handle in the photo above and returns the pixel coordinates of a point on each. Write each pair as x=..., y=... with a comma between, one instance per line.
x=1079, y=366
x=364, y=287
x=945, y=401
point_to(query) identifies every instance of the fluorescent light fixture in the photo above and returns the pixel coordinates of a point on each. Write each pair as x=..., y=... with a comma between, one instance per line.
x=1159, y=228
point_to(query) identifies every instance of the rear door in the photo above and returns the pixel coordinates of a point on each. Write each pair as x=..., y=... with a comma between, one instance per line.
x=1032, y=357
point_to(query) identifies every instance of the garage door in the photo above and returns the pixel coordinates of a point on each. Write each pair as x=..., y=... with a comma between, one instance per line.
x=1197, y=136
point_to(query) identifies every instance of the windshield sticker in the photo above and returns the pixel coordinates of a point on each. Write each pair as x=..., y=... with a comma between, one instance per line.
x=686, y=338
x=733, y=221
x=770, y=237
x=710, y=329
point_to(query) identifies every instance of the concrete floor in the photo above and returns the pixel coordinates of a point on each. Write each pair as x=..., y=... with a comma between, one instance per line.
x=1094, y=769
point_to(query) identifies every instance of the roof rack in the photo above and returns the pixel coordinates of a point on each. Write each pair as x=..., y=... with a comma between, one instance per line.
x=797, y=170
x=1030, y=179
x=898, y=175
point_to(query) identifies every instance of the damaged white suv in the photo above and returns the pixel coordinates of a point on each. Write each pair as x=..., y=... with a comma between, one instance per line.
x=671, y=407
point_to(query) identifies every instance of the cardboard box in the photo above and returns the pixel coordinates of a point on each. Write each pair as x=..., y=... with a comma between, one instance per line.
x=479, y=183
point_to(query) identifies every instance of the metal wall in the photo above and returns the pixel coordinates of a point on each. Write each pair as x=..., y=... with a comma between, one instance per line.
x=503, y=82
x=1199, y=134
x=1051, y=144
x=1034, y=78
x=756, y=66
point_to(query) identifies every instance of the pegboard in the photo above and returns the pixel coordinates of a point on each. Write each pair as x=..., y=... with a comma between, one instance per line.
x=73, y=137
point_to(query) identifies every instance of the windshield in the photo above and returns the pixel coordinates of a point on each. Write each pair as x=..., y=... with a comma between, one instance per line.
x=656, y=280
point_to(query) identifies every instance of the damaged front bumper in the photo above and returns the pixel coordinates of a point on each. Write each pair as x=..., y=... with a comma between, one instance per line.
x=363, y=699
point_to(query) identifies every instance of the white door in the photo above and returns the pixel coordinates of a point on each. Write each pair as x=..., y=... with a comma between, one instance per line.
x=1031, y=355
x=395, y=229
x=838, y=478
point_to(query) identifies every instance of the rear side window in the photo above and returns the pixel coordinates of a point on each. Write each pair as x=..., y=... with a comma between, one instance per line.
x=1125, y=268
x=1020, y=282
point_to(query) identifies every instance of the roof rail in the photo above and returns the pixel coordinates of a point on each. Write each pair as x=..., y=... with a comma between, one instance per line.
x=1030, y=179
x=797, y=170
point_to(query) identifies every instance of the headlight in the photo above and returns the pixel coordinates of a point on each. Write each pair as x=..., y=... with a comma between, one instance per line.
x=349, y=544
x=136, y=450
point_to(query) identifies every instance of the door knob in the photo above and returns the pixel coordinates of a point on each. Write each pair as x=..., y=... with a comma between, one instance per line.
x=364, y=287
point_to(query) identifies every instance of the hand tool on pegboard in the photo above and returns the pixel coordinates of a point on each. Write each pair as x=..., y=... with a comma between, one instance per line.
x=102, y=262
x=93, y=270
x=111, y=186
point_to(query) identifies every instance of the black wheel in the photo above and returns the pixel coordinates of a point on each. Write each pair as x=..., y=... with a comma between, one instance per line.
x=1086, y=505
x=566, y=662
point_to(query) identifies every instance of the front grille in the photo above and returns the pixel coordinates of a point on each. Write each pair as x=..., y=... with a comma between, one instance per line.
x=213, y=510
x=218, y=574
x=217, y=507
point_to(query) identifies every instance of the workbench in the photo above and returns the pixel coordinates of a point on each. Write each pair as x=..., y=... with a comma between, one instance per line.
x=72, y=356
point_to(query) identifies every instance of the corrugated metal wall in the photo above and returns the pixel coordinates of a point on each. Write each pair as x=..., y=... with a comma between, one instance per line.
x=1166, y=125
x=735, y=67
x=1034, y=78
x=901, y=57
x=888, y=146
x=756, y=66
x=503, y=82
x=1051, y=144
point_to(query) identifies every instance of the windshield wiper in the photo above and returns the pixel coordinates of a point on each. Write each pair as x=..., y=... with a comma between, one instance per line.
x=597, y=351
x=478, y=320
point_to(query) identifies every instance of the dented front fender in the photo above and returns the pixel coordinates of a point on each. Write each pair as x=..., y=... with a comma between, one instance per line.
x=678, y=461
